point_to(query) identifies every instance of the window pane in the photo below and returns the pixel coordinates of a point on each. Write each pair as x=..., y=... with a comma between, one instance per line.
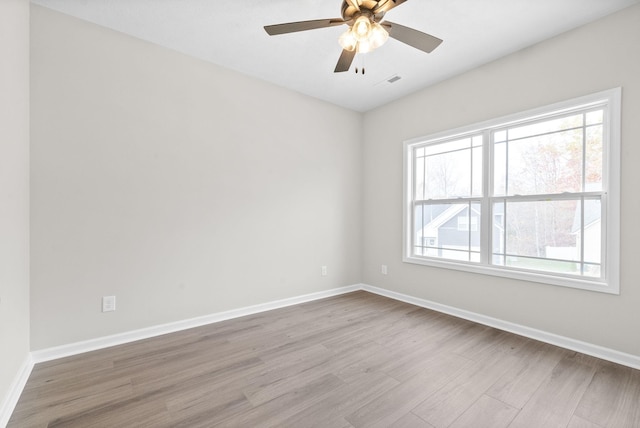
x=449, y=146
x=593, y=271
x=542, y=229
x=548, y=236
x=448, y=231
x=498, y=235
x=556, y=266
x=500, y=169
x=449, y=170
x=476, y=184
x=595, y=117
x=592, y=231
x=448, y=175
x=545, y=127
x=593, y=162
x=474, y=227
x=544, y=164
x=419, y=178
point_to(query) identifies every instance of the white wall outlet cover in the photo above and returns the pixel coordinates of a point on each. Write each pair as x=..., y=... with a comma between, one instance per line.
x=108, y=303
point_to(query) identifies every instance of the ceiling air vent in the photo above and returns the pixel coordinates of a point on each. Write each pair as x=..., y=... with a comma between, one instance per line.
x=386, y=81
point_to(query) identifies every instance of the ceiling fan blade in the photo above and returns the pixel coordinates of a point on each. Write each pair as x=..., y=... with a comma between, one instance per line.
x=293, y=27
x=387, y=5
x=354, y=4
x=419, y=40
x=345, y=60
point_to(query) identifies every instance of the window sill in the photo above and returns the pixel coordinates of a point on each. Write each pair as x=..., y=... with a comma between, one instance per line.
x=564, y=281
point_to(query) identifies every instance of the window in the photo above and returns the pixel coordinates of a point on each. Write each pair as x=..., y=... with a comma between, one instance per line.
x=531, y=196
x=463, y=223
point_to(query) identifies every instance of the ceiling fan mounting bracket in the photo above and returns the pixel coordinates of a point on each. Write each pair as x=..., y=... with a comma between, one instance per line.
x=365, y=8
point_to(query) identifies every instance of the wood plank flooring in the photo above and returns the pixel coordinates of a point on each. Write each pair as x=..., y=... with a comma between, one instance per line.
x=356, y=360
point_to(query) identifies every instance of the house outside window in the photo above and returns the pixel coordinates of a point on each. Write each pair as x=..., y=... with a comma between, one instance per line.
x=463, y=223
x=531, y=196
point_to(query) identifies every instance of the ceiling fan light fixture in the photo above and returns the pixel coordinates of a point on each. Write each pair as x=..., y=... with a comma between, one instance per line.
x=348, y=41
x=378, y=36
x=362, y=28
x=364, y=36
x=364, y=46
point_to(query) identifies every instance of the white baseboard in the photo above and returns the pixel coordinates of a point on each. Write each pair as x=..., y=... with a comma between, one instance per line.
x=543, y=336
x=49, y=354
x=15, y=390
x=618, y=357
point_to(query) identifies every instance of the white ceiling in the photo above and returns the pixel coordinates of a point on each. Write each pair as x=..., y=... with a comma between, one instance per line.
x=230, y=33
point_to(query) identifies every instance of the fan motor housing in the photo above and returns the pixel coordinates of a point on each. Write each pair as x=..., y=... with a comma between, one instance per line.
x=350, y=13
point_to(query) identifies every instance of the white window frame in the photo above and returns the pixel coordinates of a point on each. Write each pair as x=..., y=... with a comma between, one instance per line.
x=610, y=282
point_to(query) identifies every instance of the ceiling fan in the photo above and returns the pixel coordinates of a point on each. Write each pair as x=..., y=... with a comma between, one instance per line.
x=366, y=30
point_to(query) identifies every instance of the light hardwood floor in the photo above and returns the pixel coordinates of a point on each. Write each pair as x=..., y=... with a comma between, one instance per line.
x=356, y=360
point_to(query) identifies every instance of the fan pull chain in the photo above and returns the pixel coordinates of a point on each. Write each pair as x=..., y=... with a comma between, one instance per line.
x=363, y=69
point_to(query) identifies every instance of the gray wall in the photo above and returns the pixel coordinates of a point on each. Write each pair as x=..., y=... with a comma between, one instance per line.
x=14, y=190
x=598, y=56
x=180, y=187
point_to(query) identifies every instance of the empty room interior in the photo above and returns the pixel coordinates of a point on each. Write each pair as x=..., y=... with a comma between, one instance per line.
x=408, y=214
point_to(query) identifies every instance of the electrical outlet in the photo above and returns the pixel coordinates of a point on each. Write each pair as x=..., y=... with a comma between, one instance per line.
x=108, y=303
x=323, y=270
x=384, y=269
